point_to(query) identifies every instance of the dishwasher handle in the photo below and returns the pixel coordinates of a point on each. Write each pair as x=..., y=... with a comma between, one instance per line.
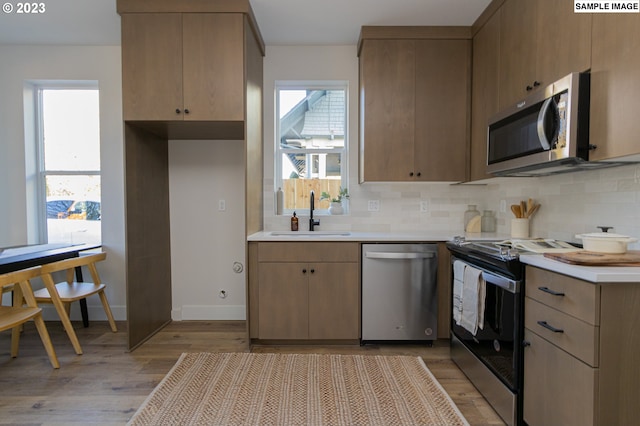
x=398, y=255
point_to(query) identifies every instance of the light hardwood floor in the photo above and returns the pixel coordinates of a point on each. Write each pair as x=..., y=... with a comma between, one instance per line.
x=107, y=384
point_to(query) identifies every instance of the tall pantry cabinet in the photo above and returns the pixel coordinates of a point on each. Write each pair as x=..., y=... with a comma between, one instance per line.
x=190, y=70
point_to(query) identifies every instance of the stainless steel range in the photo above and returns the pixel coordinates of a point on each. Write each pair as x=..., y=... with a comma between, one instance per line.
x=492, y=358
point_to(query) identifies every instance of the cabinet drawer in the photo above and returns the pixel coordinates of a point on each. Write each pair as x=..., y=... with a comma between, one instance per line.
x=574, y=297
x=308, y=252
x=577, y=337
x=558, y=388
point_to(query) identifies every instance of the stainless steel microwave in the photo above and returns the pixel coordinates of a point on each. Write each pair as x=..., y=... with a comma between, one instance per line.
x=545, y=133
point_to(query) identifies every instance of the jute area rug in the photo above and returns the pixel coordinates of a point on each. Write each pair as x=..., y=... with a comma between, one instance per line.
x=286, y=389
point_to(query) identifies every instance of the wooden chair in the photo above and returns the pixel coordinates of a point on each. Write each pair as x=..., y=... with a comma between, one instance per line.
x=62, y=294
x=12, y=317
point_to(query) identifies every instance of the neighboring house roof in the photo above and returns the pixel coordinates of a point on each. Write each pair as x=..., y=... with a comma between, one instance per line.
x=319, y=115
x=326, y=117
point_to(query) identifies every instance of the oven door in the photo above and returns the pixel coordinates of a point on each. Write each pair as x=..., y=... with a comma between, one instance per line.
x=497, y=343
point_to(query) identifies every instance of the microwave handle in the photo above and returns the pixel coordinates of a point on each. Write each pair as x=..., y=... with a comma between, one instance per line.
x=542, y=117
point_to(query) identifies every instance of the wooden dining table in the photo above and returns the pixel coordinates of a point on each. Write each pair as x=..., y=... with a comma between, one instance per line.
x=27, y=256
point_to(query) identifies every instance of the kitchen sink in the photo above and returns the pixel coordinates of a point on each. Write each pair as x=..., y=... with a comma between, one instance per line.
x=307, y=234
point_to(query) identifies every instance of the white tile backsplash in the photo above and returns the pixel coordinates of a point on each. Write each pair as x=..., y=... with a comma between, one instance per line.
x=571, y=203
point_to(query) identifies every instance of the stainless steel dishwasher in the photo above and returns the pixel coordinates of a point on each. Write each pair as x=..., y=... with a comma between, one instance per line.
x=399, y=292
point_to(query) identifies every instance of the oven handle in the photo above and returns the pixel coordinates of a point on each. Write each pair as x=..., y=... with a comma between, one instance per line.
x=490, y=278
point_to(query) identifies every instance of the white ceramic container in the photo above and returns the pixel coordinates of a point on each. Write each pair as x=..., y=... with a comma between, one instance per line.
x=604, y=242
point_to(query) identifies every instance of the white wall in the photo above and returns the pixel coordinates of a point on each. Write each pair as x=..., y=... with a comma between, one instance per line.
x=101, y=63
x=205, y=241
x=571, y=203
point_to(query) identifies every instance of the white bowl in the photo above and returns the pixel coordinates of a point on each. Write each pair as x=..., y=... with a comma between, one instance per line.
x=604, y=242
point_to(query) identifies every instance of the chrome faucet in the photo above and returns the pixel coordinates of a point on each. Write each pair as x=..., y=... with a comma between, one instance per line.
x=312, y=202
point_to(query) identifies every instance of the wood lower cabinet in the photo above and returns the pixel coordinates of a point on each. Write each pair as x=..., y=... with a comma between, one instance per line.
x=564, y=387
x=304, y=291
x=415, y=90
x=580, y=365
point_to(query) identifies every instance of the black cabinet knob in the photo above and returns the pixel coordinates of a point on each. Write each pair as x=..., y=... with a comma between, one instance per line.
x=313, y=270
x=177, y=110
x=186, y=111
x=536, y=83
x=304, y=271
x=419, y=174
x=529, y=88
x=410, y=173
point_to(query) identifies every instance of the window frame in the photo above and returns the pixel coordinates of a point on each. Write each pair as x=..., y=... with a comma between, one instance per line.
x=279, y=151
x=41, y=172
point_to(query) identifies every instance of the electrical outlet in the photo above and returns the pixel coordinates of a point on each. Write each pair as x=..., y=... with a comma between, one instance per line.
x=424, y=206
x=222, y=205
x=222, y=294
x=373, y=205
x=503, y=206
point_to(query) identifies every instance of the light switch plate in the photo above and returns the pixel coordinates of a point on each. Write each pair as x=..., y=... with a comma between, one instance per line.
x=222, y=205
x=424, y=206
x=373, y=205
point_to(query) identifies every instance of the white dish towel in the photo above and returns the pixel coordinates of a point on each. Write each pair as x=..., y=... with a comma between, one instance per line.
x=458, y=277
x=473, y=296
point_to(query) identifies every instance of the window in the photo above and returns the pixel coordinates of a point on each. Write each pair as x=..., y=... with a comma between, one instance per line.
x=68, y=164
x=311, y=146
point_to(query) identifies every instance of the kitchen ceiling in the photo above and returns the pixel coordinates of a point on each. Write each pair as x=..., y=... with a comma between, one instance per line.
x=282, y=22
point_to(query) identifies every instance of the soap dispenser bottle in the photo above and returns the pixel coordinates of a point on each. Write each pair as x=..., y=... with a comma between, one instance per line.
x=294, y=222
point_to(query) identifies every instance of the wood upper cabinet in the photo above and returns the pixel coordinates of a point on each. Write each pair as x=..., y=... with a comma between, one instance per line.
x=615, y=86
x=387, y=110
x=484, y=97
x=443, y=96
x=414, y=108
x=183, y=66
x=517, y=50
x=540, y=42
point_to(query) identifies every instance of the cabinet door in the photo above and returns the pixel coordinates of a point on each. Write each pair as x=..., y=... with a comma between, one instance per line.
x=563, y=41
x=151, y=66
x=334, y=301
x=517, y=50
x=558, y=388
x=443, y=84
x=615, y=86
x=213, y=66
x=283, y=294
x=484, y=100
x=387, y=110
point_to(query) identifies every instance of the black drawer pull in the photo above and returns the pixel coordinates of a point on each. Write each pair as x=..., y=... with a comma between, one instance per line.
x=550, y=327
x=548, y=290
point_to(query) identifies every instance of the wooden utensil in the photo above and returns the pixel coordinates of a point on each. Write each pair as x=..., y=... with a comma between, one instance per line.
x=533, y=210
x=523, y=209
x=516, y=210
